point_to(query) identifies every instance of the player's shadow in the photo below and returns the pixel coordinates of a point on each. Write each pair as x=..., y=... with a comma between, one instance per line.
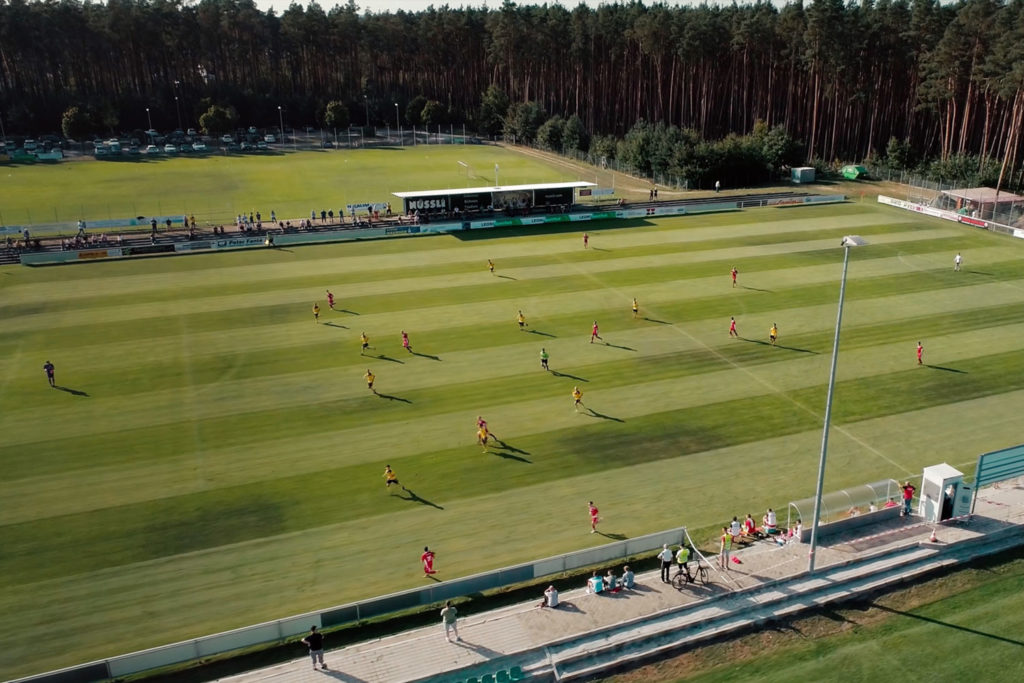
x=945, y=369
x=779, y=346
x=510, y=456
x=594, y=413
x=389, y=358
x=425, y=355
x=73, y=392
x=413, y=498
x=598, y=249
x=508, y=277
x=614, y=537
x=431, y=577
x=394, y=398
x=556, y=373
x=755, y=289
x=345, y=310
x=336, y=325
x=660, y=322
x=616, y=346
x=543, y=334
x=507, y=447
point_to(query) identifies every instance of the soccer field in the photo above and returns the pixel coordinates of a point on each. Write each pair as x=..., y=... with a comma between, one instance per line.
x=212, y=456
x=216, y=188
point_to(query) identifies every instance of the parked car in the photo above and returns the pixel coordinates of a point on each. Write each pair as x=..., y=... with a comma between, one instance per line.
x=101, y=151
x=191, y=132
x=198, y=147
x=170, y=149
x=152, y=132
x=262, y=145
x=327, y=144
x=245, y=146
x=30, y=145
x=151, y=149
x=252, y=130
x=270, y=139
x=226, y=139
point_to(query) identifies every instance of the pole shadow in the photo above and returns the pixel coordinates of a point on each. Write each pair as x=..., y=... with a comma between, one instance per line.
x=413, y=498
x=947, y=624
x=424, y=355
x=73, y=392
x=556, y=373
x=755, y=289
x=543, y=334
x=945, y=369
x=616, y=346
x=336, y=325
x=395, y=398
x=389, y=358
x=778, y=346
x=508, y=277
x=660, y=322
x=604, y=417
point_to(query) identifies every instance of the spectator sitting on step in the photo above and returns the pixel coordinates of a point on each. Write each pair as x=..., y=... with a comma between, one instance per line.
x=872, y=507
x=595, y=584
x=749, y=527
x=628, y=578
x=550, y=598
x=611, y=582
x=771, y=522
x=891, y=504
x=853, y=512
x=735, y=529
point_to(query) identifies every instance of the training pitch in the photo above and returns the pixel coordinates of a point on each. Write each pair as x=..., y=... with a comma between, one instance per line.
x=212, y=457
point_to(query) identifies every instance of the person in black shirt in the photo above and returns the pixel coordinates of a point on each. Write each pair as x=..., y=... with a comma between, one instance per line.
x=315, y=642
x=49, y=373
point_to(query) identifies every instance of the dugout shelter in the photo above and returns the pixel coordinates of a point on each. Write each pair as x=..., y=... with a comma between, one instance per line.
x=981, y=202
x=518, y=199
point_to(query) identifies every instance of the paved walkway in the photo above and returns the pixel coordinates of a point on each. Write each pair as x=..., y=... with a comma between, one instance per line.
x=522, y=628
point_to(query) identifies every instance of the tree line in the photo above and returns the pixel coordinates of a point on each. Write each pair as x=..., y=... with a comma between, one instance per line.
x=844, y=80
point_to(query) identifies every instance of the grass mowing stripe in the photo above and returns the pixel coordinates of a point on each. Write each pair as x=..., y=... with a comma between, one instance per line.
x=231, y=514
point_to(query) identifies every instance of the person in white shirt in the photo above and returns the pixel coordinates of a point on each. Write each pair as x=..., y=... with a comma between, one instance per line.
x=771, y=522
x=957, y=260
x=735, y=528
x=550, y=597
x=666, y=562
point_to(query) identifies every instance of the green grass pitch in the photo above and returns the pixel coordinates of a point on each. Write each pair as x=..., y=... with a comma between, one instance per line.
x=219, y=461
x=217, y=188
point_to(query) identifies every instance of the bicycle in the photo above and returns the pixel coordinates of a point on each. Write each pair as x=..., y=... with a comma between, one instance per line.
x=682, y=578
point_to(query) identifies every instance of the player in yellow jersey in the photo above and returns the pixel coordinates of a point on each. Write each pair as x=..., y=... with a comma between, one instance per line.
x=390, y=478
x=316, y=313
x=773, y=334
x=636, y=307
x=481, y=436
x=365, y=341
x=369, y=380
x=490, y=266
x=521, y=319
x=577, y=398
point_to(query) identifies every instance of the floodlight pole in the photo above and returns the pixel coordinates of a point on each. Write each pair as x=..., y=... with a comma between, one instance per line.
x=280, y=119
x=149, y=119
x=496, y=184
x=177, y=108
x=847, y=243
x=398, y=125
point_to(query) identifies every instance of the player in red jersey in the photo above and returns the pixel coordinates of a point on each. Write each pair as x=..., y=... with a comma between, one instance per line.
x=920, y=353
x=734, y=273
x=330, y=300
x=593, y=333
x=405, y=342
x=427, y=558
x=586, y=240
x=592, y=509
x=732, y=328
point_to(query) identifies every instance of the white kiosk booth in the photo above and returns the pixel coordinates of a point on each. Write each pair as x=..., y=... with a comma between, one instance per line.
x=943, y=493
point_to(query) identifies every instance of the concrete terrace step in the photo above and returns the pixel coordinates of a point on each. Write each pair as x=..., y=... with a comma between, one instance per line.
x=831, y=585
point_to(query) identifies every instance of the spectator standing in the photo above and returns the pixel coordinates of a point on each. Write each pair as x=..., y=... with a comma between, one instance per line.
x=908, y=496
x=449, y=616
x=718, y=186
x=666, y=562
x=315, y=642
x=726, y=546
x=683, y=560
